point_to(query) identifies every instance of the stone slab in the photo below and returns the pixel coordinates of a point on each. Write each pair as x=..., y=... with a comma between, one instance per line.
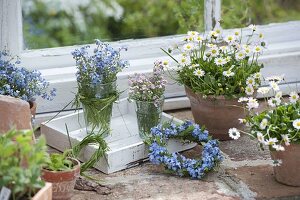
x=126, y=147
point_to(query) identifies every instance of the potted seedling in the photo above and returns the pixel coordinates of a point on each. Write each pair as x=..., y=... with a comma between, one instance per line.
x=21, y=161
x=62, y=171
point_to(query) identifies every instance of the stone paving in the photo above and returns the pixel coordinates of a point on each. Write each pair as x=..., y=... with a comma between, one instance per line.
x=246, y=173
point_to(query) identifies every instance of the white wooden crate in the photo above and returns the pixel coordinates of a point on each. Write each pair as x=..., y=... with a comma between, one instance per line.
x=126, y=147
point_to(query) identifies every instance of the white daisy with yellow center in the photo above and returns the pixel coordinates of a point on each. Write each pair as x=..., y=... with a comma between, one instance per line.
x=240, y=55
x=192, y=66
x=252, y=27
x=274, y=85
x=296, y=124
x=257, y=49
x=271, y=141
x=249, y=90
x=214, y=52
x=263, y=124
x=237, y=33
x=183, y=61
x=165, y=64
x=192, y=33
x=263, y=90
x=260, y=137
x=188, y=47
x=199, y=38
x=220, y=61
x=250, y=81
x=273, y=102
x=199, y=73
x=252, y=103
x=278, y=95
x=293, y=97
x=286, y=139
x=257, y=75
x=228, y=73
x=230, y=39
x=234, y=133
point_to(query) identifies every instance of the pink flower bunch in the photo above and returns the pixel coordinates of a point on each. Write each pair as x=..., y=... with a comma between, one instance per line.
x=148, y=88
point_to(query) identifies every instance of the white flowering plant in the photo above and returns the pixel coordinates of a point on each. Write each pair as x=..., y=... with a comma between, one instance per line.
x=279, y=124
x=218, y=64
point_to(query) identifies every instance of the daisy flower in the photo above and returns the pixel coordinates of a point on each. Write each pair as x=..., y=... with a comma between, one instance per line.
x=240, y=55
x=234, y=133
x=165, y=63
x=252, y=27
x=237, y=33
x=230, y=39
x=247, y=51
x=296, y=124
x=250, y=81
x=263, y=124
x=260, y=137
x=277, y=163
x=274, y=85
x=243, y=99
x=257, y=75
x=271, y=141
x=199, y=38
x=263, y=90
x=188, y=47
x=214, y=52
x=228, y=73
x=192, y=66
x=257, y=49
x=220, y=61
x=227, y=59
x=199, y=73
x=249, y=90
x=252, y=103
x=293, y=97
x=273, y=102
x=192, y=33
x=242, y=121
x=278, y=95
x=213, y=34
x=278, y=147
x=286, y=139
x=183, y=61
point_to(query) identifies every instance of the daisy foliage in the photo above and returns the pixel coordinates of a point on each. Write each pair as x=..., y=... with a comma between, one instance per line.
x=278, y=125
x=20, y=82
x=222, y=62
x=177, y=163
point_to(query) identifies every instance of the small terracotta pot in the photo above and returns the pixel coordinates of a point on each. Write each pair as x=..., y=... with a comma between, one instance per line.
x=289, y=171
x=217, y=114
x=63, y=182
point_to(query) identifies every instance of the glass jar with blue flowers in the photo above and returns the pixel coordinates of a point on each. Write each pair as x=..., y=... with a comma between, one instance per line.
x=19, y=82
x=97, y=88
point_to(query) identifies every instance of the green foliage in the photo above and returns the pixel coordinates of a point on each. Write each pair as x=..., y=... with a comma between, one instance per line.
x=59, y=162
x=280, y=122
x=21, y=162
x=51, y=23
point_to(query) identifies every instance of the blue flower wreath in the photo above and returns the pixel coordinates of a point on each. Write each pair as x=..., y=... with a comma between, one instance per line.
x=177, y=163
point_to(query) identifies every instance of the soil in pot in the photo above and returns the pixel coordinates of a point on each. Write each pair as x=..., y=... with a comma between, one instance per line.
x=217, y=114
x=63, y=182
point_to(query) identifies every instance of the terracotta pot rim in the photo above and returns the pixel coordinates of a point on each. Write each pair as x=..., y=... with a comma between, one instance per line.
x=75, y=167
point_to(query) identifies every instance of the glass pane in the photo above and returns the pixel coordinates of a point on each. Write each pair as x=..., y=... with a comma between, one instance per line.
x=240, y=13
x=52, y=23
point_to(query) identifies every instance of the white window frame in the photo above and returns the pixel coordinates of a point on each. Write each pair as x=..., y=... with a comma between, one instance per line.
x=57, y=65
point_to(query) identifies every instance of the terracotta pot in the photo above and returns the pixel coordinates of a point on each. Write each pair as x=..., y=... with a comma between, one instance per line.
x=44, y=193
x=217, y=114
x=63, y=182
x=289, y=171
